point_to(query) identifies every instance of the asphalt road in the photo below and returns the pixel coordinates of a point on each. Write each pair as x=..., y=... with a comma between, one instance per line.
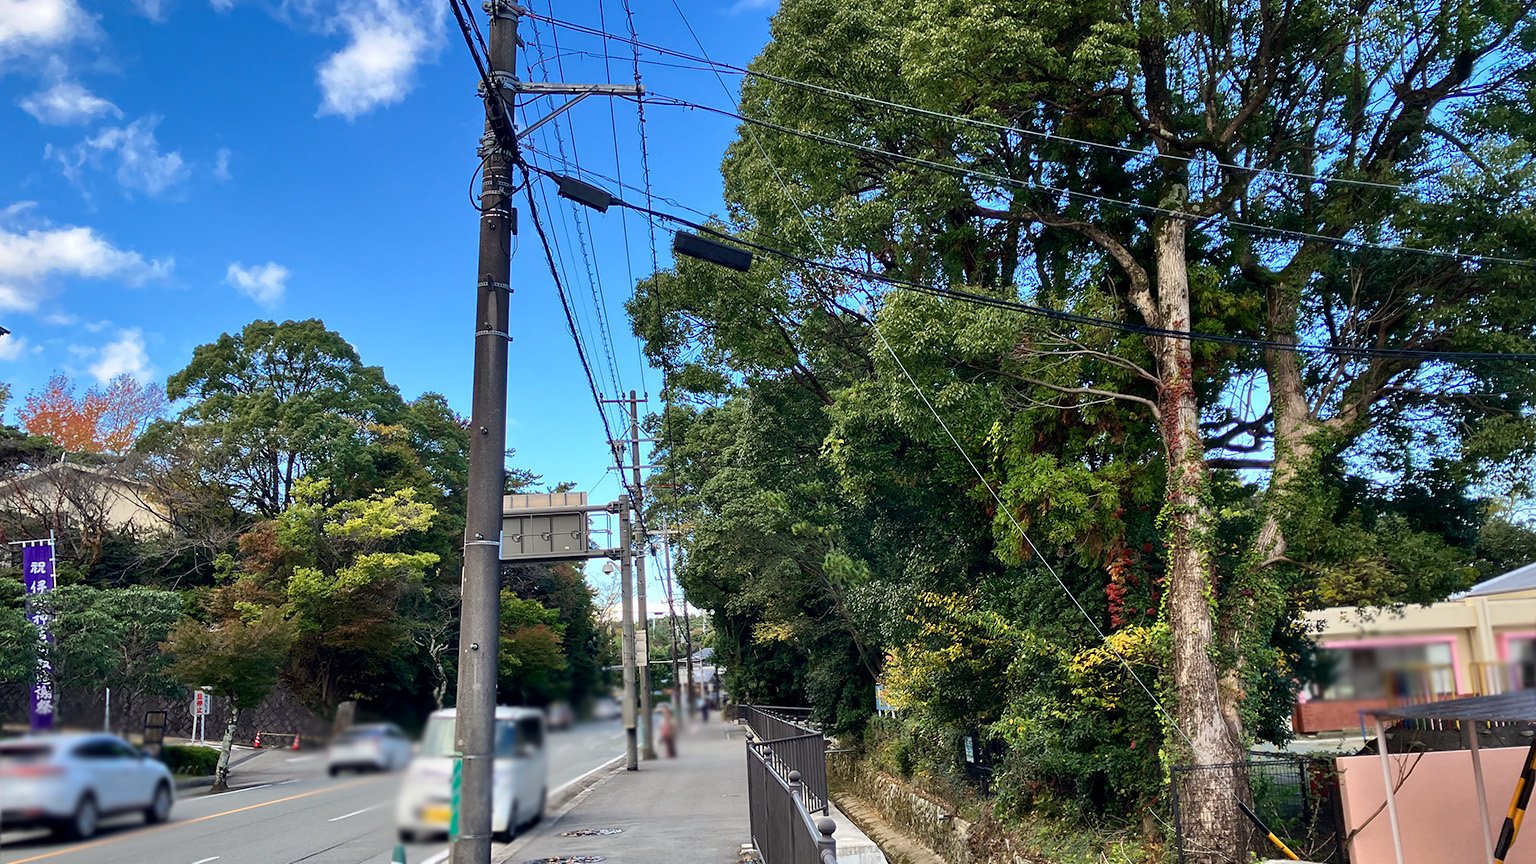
x=293, y=813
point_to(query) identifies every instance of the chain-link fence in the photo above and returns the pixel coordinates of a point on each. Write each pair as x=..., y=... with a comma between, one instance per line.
x=1296, y=798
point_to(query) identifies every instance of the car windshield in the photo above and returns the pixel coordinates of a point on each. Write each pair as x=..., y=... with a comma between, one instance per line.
x=438, y=738
x=24, y=754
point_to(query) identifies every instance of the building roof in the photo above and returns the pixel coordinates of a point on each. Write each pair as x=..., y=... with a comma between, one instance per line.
x=1519, y=706
x=1518, y=579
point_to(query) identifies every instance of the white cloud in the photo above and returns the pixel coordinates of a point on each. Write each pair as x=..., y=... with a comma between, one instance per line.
x=385, y=43
x=12, y=347
x=140, y=164
x=30, y=260
x=264, y=283
x=67, y=103
x=61, y=319
x=154, y=10
x=222, y=5
x=124, y=356
x=221, y=165
x=26, y=25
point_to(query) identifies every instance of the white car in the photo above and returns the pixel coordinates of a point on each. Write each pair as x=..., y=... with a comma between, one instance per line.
x=69, y=782
x=520, y=787
x=370, y=747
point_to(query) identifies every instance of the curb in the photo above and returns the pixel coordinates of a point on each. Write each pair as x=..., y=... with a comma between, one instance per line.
x=193, y=783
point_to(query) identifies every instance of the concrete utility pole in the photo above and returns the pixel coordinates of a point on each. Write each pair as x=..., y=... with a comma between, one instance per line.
x=480, y=610
x=627, y=650
x=649, y=750
x=693, y=699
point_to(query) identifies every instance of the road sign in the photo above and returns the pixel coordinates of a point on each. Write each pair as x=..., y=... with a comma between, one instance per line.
x=200, y=703
x=642, y=648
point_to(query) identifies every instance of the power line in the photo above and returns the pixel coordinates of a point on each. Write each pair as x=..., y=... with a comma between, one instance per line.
x=1033, y=186
x=719, y=66
x=581, y=352
x=1346, y=351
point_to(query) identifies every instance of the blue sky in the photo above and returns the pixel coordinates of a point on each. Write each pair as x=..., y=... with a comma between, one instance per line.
x=173, y=169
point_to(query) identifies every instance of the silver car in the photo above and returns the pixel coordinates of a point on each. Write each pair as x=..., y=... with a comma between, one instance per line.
x=69, y=782
x=370, y=747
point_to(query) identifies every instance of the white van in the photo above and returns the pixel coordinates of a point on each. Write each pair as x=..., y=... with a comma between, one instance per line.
x=521, y=776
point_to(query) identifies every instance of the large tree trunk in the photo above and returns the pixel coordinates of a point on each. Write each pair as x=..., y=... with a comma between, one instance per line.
x=1210, y=730
x=221, y=773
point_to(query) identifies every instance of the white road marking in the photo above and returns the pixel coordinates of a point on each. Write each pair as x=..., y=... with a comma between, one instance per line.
x=439, y=858
x=302, y=758
x=206, y=860
x=357, y=812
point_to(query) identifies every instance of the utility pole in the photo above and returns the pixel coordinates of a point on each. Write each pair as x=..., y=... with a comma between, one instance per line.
x=480, y=611
x=687, y=631
x=649, y=751
x=628, y=645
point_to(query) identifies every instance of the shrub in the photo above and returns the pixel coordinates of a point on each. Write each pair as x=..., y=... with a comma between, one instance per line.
x=192, y=761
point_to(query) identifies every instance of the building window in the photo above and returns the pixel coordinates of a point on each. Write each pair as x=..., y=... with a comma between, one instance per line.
x=1401, y=671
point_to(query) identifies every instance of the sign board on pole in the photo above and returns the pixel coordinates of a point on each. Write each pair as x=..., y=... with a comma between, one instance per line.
x=37, y=578
x=642, y=648
x=200, y=703
x=547, y=526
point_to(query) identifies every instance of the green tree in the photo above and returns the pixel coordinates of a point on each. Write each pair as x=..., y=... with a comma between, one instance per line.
x=109, y=638
x=18, y=638
x=275, y=403
x=238, y=659
x=563, y=588
x=532, y=659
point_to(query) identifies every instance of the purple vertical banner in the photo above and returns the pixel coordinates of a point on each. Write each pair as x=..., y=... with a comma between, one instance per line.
x=37, y=575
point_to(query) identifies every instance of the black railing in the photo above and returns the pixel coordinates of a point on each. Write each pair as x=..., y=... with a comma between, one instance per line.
x=768, y=722
x=792, y=746
x=781, y=824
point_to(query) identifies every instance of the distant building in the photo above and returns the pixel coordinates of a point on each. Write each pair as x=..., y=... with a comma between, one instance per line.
x=84, y=496
x=1479, y=642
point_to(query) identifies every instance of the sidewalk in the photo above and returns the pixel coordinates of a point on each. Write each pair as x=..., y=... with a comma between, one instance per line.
x=688, y=810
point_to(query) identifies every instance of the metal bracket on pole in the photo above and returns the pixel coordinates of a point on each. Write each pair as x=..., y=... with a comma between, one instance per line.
x=503, y=9
x=493, y=285
x=553, y=114
x=499, y=333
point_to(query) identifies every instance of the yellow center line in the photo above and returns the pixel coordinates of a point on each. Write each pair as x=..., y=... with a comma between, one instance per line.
x=107, y=841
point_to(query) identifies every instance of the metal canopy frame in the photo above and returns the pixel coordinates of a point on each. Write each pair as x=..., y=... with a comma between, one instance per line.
x=1516, y=707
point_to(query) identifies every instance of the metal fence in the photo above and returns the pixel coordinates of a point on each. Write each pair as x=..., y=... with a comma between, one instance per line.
x=1296, y=798
x=791, y=746
x=768, y=722
x=781, y=824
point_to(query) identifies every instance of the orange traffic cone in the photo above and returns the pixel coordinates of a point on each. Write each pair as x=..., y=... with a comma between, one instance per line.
x=295, y=742
x=257, y=742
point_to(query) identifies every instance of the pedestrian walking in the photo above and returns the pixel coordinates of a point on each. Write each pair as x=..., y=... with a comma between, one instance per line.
x=668, y=731
x=704, y=708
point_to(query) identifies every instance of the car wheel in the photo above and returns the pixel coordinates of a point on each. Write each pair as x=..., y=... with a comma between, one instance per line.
x=333, y=771
x=84, y=823
x=407, y=836
x=160, y=806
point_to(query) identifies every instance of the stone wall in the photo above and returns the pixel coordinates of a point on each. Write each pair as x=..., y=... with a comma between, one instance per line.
x=924, y=817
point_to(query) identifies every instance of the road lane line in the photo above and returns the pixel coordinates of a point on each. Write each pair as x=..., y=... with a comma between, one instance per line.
x=358, y=812
x=439, y=858
x=170, y=826
x=206, y=860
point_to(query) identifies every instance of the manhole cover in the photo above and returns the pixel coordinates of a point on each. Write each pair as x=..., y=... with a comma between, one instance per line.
x=593, y=832
x=569, y=859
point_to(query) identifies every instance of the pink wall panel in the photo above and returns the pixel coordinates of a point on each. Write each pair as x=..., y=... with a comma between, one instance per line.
x=1437, y=806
